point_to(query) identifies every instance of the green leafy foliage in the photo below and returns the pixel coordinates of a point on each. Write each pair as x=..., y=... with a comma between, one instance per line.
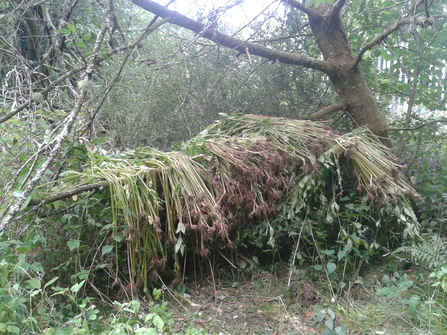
x=329, y=318
x=430, y=252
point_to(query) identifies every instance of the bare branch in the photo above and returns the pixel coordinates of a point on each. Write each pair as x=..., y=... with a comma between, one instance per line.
x=328, y=110
x=389, y=7
x=67, y=194
x=56, y=48
x=43, y=92
x=231, y=42
x=298, y=5
x=418, y=127
x=282, y=38
x=427, y=12
x=57, y=142
x=419, y=21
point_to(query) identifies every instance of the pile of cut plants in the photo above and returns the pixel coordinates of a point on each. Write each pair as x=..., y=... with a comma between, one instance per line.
x=244, y=184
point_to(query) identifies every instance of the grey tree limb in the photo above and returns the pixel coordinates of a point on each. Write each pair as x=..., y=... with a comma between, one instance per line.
x=244, y=47
x=57, y=142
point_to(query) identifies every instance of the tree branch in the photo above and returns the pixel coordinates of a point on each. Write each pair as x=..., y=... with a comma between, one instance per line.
x=57, y=142
x=418, y=127
x=282, y=38
x=43, y=92
x=298, y=5
x=419, y=21
x=68, y=194
x=230, y=42
x=328, y=110
x=338, y=6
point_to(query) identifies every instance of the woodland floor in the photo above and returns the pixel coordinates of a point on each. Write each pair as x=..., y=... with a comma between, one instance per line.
x=261, y=303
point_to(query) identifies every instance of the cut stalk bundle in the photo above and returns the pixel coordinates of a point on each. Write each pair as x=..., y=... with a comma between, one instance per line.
x=245, y=168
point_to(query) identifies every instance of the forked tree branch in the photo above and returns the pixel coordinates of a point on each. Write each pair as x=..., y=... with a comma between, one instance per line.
x=43, y=92
x=244, y=47
x=150, y=28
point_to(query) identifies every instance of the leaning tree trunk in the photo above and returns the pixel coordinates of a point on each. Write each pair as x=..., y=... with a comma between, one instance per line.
x=345, y=73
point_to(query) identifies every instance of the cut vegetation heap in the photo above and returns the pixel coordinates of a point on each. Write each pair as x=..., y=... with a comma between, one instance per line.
x=239, y=174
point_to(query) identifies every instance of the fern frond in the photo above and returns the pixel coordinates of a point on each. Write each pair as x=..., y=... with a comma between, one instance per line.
x=430, y=252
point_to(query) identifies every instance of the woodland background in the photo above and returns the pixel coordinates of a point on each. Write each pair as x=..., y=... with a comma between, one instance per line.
x=84, y=81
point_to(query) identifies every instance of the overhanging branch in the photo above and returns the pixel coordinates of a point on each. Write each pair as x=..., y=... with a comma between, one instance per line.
x=231, y=42
x=419, y=21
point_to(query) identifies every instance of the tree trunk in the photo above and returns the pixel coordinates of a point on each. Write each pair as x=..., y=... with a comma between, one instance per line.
x=345, y=73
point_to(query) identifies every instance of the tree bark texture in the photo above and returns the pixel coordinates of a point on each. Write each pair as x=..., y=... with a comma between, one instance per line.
x=345, y=74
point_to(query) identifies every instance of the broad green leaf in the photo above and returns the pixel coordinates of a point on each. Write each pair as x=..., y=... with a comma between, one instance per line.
x=35, y=283
x=37, y=267
x=106, y=249
x=17, y=193
x=73, y=244
x=51, y=282
x=331, y=267
x=13, y=329
x=341, y=254
x=158, y=322
x=330, y=324
x=76, y=287
x=320, y=317
x=71, y=27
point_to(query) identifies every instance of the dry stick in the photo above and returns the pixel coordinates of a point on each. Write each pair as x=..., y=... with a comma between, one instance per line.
x=328, y=110
x=43, y=92
x=57, y=49
x=294, y=254
x=324, y=268
x=214, y=279
x=67, y=194
x=59, y=140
